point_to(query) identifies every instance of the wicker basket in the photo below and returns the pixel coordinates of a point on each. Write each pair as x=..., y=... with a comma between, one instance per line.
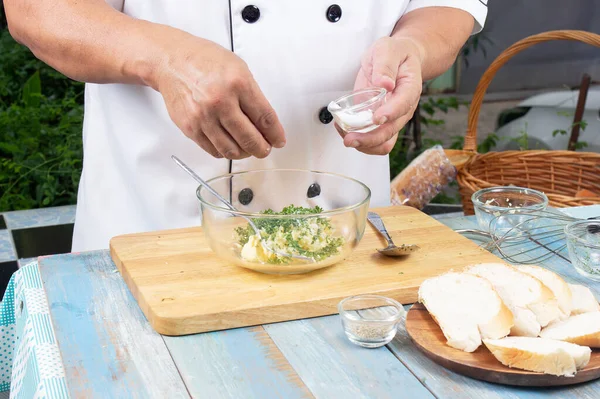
x=559, y=174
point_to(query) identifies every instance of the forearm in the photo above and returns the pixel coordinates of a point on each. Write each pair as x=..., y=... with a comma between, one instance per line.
x=439, y=33
x=88, y=40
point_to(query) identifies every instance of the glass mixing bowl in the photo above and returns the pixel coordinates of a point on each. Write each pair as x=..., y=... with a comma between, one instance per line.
x=508, y=210
x=314, y=214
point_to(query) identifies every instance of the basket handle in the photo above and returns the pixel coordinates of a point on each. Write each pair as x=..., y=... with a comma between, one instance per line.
x=575, y=35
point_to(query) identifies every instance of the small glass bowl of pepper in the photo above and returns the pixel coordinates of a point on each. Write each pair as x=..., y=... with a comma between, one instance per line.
x=370, y=321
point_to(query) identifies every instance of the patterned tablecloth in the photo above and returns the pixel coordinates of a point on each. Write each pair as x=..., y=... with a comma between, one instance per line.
x=30, y=361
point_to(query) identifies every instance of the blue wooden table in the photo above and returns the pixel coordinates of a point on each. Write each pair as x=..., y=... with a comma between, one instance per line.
x=110, y=351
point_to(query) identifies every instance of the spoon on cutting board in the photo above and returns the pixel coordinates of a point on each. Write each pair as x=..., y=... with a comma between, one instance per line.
x=391, y=249
x=204, y=184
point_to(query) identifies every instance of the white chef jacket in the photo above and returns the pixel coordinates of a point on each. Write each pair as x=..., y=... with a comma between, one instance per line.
x=300, y=57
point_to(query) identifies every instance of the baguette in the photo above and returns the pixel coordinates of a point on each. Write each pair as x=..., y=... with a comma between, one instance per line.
x=540, y=354
x=532, y=304
x=583, y=300
x=557, y=285
x=581, y=329
x=466, y=308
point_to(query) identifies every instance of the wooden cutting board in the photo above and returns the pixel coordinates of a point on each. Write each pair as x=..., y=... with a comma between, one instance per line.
x=481, y=364
x=184, y=288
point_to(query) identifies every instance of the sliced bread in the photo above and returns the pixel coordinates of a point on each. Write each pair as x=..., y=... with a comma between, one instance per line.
x=557, y=285
x=581, y=329
x=466, y=308
x=583, y=300
x=539, y=354
x=532, y=304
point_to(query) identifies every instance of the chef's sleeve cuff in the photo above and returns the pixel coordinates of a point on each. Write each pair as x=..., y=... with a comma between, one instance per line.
x=477, y=8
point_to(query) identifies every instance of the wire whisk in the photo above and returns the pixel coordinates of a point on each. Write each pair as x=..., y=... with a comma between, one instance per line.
x=528, y=238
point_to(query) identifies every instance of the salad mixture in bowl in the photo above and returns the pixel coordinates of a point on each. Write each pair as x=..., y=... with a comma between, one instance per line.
x=306, y=220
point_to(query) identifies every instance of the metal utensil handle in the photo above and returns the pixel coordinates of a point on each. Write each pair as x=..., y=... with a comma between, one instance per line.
x=475, y=232
x=212, y=191
x=376, y=221
x=202, y=182
x=232, y=208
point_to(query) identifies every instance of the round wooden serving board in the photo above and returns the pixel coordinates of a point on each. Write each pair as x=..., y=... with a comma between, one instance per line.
x=481, y=364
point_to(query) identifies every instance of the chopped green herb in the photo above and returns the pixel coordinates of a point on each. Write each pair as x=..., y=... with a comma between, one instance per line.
x=307, y=236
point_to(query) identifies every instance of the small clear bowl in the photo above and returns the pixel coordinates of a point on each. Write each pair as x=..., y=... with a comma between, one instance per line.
x=354, y=112
x=370, y=321
x=508, y=210
x=583, y=242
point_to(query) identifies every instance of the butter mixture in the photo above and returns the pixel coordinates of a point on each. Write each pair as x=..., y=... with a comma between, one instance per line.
x=313, y=237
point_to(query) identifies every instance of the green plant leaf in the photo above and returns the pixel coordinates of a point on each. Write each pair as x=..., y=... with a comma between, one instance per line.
x=458, y=142
x=522, y=140
x=431, y=142
x=568, y=114
x=9, y=147
x=562, y=132
x=582, y=124
x=32, y=90
x=488, y=143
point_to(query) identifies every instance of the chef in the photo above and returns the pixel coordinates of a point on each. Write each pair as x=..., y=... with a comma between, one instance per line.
x=229, y=86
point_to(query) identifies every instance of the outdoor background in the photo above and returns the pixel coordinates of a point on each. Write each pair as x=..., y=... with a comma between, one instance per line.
x=41, y=111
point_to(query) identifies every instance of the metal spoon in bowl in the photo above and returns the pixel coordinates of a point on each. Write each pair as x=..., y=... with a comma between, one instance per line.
x=228, y=205
x=391, y=249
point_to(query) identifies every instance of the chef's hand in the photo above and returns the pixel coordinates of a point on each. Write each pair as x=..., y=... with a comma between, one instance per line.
x=213, y=98
x=395, y=65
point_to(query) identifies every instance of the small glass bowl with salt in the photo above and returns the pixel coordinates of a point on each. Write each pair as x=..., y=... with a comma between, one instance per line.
x=370, y=321
x=354, y=112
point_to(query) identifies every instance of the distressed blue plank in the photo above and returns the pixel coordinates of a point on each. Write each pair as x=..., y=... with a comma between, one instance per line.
x=26, y=261
x=7, y=250
x=40, y=217
x=100, y=328
x=108, y=348
x=582, y=211
x=239, y=363
x=447, y=384
x=332, y=367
